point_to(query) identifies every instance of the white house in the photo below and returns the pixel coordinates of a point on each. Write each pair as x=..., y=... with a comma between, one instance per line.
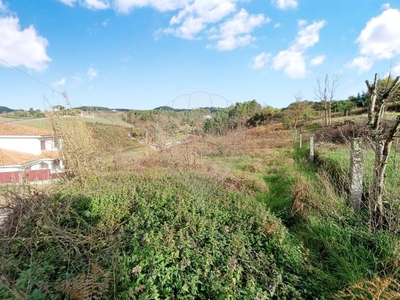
x=27, y=139
x=28, y=154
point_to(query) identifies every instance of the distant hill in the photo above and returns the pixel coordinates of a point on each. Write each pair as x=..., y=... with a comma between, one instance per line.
x=164, y=108
x=168, y=108
x=5, y=109
x=100, y=108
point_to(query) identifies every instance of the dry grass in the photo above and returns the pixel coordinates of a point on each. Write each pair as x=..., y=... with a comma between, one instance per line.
x=79, y=150
x=236, y=161
x=377, y=289
x=86, y=286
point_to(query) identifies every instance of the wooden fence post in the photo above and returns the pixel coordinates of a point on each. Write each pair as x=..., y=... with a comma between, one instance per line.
x=300, y=140
x=312, y=155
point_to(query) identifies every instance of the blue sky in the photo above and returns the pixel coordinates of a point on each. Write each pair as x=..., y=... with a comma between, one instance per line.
x=141, y=54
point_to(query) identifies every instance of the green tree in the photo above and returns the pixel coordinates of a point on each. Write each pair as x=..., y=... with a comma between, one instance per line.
x=58, y=107
x=361, y=100
x=266, y=116
x=344, y=106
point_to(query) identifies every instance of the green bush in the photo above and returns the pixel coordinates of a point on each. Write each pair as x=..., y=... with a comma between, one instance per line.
x=159, y=238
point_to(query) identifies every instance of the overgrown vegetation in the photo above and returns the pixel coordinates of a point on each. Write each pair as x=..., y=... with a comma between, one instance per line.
x=238, y=214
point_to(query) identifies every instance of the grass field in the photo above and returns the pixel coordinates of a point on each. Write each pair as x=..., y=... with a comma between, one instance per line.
x=239, y=216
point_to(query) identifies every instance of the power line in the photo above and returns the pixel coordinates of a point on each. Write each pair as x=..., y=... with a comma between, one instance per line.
x=31, y=77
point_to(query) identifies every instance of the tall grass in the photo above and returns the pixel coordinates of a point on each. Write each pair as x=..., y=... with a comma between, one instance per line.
x=182, y=223
x=360, y=262
x=241, y=216
x=336, y=159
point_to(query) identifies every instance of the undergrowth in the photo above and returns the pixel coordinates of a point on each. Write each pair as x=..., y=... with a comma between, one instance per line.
x=151, y=236
x=243, y=216
x=362, y=264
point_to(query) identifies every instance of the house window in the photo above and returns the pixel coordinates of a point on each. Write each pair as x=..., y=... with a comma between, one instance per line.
x=42, y=145
x=43, y=166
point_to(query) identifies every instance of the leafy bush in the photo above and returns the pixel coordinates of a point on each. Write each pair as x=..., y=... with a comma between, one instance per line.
x=158, y=238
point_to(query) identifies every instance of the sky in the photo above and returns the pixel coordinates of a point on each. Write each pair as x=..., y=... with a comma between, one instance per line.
x=142, y=54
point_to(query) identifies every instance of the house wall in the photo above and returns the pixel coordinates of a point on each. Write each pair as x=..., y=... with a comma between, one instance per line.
x=27, y=175
x=9, y=177
x=28, y=144
x=22, y=144
x=36, y=175
x=4, y=169
x=37, y=171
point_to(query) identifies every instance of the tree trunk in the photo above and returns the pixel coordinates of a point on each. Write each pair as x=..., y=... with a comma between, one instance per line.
x=382, y=143
x=329, y=112
x=378, y=219
x=326, y=113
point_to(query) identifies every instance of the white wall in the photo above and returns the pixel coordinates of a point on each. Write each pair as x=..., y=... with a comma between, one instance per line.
x=28, y=144
x=41, y=164
x=9, y=169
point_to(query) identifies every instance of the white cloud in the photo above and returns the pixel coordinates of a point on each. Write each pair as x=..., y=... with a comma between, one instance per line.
x=285, y=4
x=97, y=4
x=260, y=60
x=125, y=6
x=236, y=32
x=68, y=2
x=196, y=16
x=292, y=61
x=193, y=19
x=378, y=40
x=91, y=73
x=60, y=82
x=316, y=61
x=2, y=6
x=362, y=63
x=309, y=35
x=385, y=6
x=22, y=47
x=90, y=4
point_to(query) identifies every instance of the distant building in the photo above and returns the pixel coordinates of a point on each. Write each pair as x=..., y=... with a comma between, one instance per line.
x=28, y=154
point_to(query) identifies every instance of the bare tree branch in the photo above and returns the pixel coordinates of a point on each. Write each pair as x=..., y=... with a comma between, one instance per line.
x=325, y=94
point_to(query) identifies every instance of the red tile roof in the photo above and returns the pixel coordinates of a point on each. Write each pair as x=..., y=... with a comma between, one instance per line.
x=11, y=158
x=16, y=129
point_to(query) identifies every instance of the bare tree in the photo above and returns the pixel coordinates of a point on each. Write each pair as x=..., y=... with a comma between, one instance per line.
x=381, y=140
x=296, y=114
x=325, y=92
x=297, y=110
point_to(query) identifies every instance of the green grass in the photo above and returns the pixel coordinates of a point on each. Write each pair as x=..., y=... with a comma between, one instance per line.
x=338, y=239
x=338, y=158
x=279, y=197
x=45, y=123
x=213, y=224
